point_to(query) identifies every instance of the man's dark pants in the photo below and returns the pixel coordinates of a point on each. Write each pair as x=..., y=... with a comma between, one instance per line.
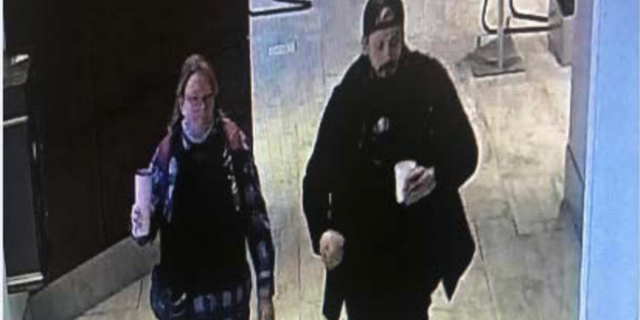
x=380, y=294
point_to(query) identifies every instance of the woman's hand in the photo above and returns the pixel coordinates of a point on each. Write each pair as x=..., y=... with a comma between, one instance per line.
x=265, y=309
x=140, y=221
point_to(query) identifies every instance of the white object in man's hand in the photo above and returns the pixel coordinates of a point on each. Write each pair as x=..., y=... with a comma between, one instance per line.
x=331, y=248
x=402, y=170
x=419, y=183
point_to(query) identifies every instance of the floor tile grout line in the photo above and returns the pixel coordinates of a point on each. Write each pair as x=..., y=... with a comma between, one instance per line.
x=140, y=292
x=486, y=278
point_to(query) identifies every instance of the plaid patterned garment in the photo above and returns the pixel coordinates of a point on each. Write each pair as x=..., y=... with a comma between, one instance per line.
x=241, y=171
x=231, y=304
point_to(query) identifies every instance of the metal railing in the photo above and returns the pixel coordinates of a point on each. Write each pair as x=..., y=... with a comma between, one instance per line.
x=516, y=15
x=297, y=6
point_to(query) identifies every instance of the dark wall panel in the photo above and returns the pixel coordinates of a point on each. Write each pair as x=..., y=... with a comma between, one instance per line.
x=75, y=229
x=103, y=81
x=20, y=224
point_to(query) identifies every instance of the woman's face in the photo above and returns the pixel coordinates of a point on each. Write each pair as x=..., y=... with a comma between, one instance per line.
x=198, y=104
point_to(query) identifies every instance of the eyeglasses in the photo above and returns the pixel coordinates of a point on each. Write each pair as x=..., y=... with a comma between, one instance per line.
x=196, y=101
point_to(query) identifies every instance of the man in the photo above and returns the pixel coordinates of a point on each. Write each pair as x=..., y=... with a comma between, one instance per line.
x=384, y=257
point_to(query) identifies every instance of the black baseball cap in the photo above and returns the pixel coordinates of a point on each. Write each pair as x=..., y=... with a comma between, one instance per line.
x=381, y=14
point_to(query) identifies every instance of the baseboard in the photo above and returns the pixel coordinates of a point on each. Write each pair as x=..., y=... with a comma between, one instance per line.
x=574, y=192
x=93, y=282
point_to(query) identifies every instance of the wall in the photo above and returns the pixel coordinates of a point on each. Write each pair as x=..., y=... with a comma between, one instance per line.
x=576, y=148
x=609, y=279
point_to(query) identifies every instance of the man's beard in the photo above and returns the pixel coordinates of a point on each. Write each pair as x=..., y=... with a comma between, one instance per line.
x=387, y=70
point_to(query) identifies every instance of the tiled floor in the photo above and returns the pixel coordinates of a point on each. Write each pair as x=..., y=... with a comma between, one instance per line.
x=527, y=263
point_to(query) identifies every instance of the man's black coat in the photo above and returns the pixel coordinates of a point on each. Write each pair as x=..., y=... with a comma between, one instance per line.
x=368, y=125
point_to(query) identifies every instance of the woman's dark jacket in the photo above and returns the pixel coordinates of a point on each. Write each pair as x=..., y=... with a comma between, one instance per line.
x=209, y=209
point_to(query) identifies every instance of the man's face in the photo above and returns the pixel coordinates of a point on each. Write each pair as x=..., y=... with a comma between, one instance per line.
x=198, y=103
x=383, y=47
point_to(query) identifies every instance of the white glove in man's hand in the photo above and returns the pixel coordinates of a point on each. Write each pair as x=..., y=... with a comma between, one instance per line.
x=331, y=248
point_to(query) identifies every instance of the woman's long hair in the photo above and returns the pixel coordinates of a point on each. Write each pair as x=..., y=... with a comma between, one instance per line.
x=195, y=63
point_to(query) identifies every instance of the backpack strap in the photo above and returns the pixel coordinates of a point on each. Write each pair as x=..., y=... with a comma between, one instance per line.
x=163, y=154
x=236, y=139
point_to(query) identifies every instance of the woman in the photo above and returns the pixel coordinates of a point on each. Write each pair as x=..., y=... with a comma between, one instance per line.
x=207, y=205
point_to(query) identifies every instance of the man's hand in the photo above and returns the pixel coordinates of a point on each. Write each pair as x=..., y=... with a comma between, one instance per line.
x=331, y=248
x=265, y=309
x=420, y=183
